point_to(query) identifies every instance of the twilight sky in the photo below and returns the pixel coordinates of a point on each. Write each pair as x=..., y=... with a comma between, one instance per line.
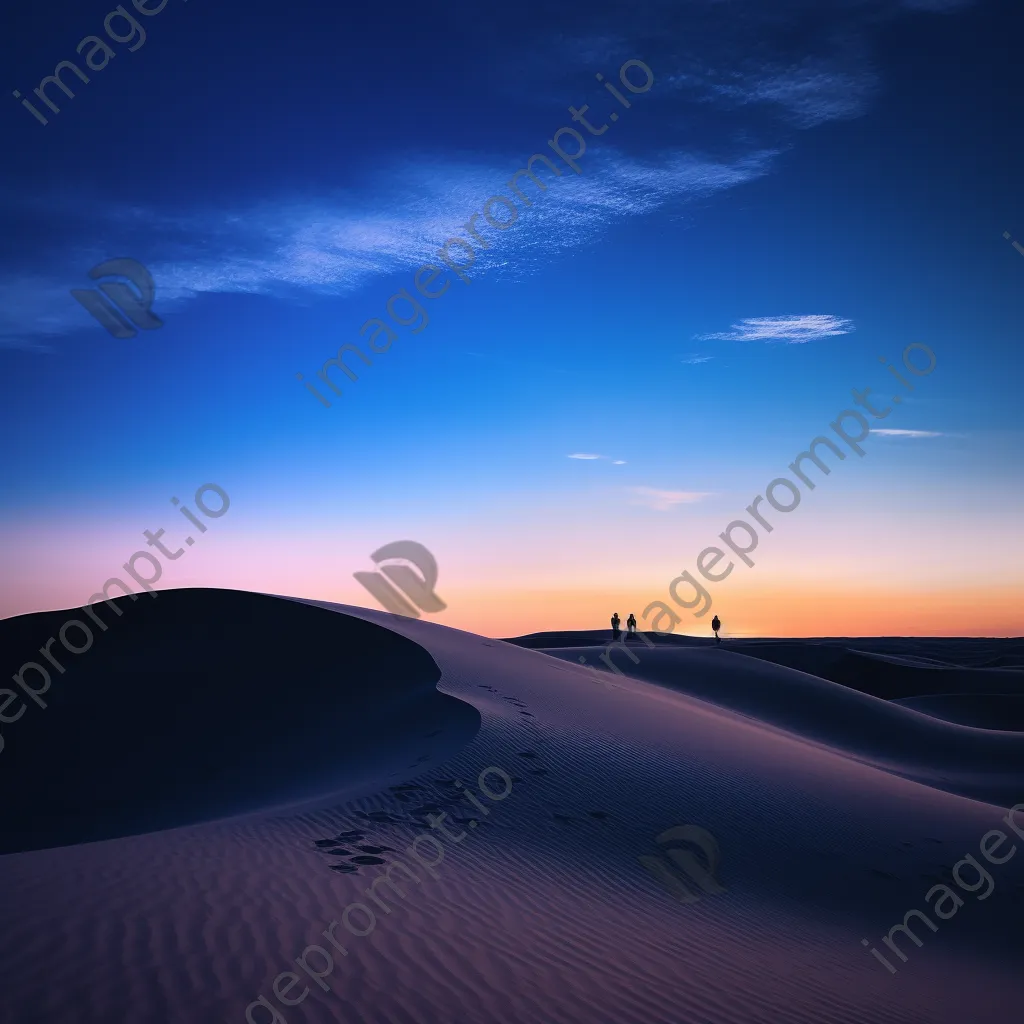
x=808, y=186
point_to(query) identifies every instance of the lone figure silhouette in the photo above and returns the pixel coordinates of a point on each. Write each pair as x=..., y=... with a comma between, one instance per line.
x=616, y=632
x=716, y=625
x=631, y=624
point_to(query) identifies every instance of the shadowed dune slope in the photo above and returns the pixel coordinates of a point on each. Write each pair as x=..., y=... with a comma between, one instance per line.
x=1004, y=711
x=955, y=758
x=208, y=703
x=886, y=667
x=901, y=668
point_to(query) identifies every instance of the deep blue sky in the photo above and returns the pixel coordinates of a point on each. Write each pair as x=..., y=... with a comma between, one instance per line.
x=283, y=169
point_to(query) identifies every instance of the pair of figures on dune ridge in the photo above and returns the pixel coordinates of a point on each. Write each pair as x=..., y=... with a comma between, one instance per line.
x=716, y=625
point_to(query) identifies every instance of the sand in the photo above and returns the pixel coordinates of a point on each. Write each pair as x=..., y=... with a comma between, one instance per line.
x=193, y=809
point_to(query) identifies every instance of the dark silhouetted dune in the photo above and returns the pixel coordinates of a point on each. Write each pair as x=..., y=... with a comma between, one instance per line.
x=208, y=703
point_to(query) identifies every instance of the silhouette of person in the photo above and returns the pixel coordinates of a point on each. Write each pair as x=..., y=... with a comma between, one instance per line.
x=716, y=625
x=631, y=624
x=616, y=633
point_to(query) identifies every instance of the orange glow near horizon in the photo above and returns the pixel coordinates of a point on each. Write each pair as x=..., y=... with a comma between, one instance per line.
x=880, y=582
x=810, y=611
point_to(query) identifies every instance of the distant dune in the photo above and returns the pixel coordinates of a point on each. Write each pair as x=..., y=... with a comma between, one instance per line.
x=226, y=774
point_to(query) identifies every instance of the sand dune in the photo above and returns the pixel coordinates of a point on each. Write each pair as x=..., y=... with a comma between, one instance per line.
x=945, y=755
x=193, y=809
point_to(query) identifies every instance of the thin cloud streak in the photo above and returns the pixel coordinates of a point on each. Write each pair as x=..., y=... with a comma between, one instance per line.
x=795, y=330
x=893, y=432
x=663, y=501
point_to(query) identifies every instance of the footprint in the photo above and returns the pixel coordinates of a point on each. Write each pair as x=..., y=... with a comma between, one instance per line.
x=526, y=713
x=324, y=843
x=368, y=860
x=346, y=869
x=338, y=852
x=375, y=849
x=527, y=753
x=600, y=815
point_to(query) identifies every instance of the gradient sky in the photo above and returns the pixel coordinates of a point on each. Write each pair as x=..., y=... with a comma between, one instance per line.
x=848, y=166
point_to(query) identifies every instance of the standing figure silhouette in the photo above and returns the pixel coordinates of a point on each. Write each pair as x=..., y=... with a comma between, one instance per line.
x=716, y=625
x=616, y=632
x=631, y=624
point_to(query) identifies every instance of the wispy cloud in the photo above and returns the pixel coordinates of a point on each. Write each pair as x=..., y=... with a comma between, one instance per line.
x=815, y=89
x=743, y=59
x=662, y=501
x=893, y=432
x=590, y=457
x=335, y=244
x=792, y=329
x=697, y=360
